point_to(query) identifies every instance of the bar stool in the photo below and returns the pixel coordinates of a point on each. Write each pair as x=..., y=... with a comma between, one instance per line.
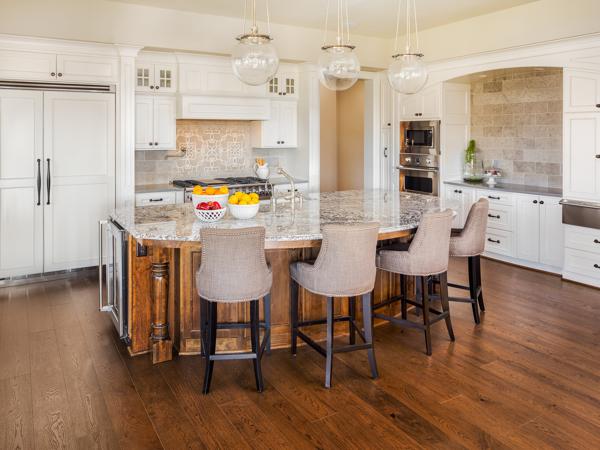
x=426, y=256
x=470, y=243
x=345, y=267
x=240, y=252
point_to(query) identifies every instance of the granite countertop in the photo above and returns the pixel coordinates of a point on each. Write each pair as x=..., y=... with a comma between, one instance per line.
x=165, y=187
x=395, y=211
x=507, y=187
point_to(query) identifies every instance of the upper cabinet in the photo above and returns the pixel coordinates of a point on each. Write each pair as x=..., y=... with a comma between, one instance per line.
x=386, y=102
x=155, y=124
x=38, y=66
x=213, y=77
x=581, y=91
x=581, y=156
x=283, y=84
x=155, y=77
x=281, y=130
x=423, y=105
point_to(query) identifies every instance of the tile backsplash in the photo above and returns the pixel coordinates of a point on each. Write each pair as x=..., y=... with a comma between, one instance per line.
x=213, y=148
x=516, y=119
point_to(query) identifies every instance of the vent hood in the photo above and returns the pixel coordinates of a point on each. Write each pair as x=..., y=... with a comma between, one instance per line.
x=211, y=107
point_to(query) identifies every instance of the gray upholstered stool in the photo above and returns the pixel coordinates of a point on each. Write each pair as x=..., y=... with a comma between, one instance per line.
x=426, y=256
x=345, y=267
x=470, y=243
x=240, y=252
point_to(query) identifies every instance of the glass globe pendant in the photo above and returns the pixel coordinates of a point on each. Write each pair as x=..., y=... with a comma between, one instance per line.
x=407, y=74
x=254, y=59
x=338, y=67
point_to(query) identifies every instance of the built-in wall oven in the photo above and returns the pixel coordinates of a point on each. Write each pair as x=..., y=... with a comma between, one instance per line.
x=419, y=167
x=112, y=275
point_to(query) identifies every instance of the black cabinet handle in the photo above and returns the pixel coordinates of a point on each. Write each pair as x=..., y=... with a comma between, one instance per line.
x=59, y=74
x=157, y=88
x=535, y=201
x=151, y=87
x=52, y=74
x=39, y=182
x=150, y=143
x=597, y=156
x=493, y=216
x=155, y=199
x=597, y=105
x=156, y=143
x=596, y=241
x=491, y=197
x=541, y=202
x=385, y=152
x=389, y=124
x=48, y=181
x=596, y=266
x=495, y=242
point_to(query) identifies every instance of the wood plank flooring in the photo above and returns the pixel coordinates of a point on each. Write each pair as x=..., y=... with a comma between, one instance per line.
x=527, y=377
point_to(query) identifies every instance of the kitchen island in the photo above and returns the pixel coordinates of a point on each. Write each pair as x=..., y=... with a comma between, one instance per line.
x=165, y=251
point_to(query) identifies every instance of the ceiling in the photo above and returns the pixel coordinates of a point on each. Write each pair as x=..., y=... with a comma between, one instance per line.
x=367, y=17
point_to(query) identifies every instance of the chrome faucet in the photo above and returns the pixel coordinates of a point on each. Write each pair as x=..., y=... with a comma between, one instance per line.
x=293, y=196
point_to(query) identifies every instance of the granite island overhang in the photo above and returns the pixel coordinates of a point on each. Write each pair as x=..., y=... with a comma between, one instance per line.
x=165, y=251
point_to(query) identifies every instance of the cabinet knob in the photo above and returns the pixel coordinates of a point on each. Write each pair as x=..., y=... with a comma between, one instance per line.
x=597, y=156
x=52, y=74
x=59, y=74
x=535, y=201
x=150, y=143
x=151, y=87
x=156, y=143
x=597, y=105
x=283, y=142
x=596, y=241
x=389, y=124
x=596, y=266
x=541, y=202
x=157, y=87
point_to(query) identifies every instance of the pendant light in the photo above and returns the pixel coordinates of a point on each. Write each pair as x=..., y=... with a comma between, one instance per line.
x=407, y=73
x=338, y=64
x=254, y=59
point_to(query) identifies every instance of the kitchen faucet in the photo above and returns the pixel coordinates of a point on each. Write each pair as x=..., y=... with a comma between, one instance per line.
x=293, y=194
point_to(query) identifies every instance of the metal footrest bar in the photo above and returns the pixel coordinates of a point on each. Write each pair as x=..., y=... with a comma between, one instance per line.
x=231, y=356
x=312, y=343
x=387, y=302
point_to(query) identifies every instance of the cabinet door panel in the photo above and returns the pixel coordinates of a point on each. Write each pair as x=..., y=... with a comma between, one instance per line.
x=581, y=166
x=21, y=218
x=144, y=78
x=31, y=66
x=288, y=124
x=144, y=122
x=82, y=175
x=582, y=91
x=551, y=232
x=164, y=123
x=93, y=69
x=528, y=227
x=412, y=105
x=165, y=78
x=270, y=128
x=431, y=103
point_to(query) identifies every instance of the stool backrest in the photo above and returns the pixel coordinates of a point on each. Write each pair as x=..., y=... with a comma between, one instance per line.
x=346, y=261
x=473, y=234
x=233, y=266
x=429, y=249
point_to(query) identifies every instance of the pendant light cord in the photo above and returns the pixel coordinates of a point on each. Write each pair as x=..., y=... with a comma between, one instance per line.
x=326, y=23
x=418, y=47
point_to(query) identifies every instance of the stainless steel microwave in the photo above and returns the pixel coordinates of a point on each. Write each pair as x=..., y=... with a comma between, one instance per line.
x=420, y=137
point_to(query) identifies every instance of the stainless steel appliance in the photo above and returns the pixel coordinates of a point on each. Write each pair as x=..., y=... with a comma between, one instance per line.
x=581, y=214
x=420, y=157
x=244, y=184
x=112, y=274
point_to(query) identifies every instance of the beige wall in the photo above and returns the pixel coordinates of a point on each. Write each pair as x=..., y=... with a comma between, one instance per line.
x=516, y=119
x=351, y=137
x=329, y=144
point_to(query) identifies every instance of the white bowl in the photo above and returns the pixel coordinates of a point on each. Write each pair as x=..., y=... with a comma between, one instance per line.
x=244, y=211
x=210, y=215
x=221, y=198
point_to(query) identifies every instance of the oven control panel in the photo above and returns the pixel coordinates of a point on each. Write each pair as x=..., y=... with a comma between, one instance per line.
x=419, y=160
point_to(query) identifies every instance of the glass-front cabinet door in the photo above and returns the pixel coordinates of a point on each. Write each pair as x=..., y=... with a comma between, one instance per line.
x=164, y=78
x=143, y=78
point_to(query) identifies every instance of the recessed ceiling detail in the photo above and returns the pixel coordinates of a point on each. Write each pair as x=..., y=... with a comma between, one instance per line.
x=369, y=17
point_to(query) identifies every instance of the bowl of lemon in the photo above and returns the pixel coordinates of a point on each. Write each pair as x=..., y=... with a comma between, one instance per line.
x=243, y=206
x=210, y=194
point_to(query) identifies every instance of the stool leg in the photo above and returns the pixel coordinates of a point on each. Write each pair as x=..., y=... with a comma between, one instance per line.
x=294, y=315
x=255, y=338
x=425, y=304
x=473, y=289
x=479, y=284
x=203, y=322
x=445, y=303
x=367, y=300
x=352, y=314
x=329, y=346
x=419, y=288
x=211, y=341
x=403, y=293
x=267, y=315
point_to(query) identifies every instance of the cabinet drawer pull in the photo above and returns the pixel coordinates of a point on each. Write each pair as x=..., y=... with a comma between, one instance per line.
x=492, y=240
x=155, y=199
x=597, y=156
x=493, y=216
x=596, y=241
x=491, y=197
x=596, y=266
x=597, y=105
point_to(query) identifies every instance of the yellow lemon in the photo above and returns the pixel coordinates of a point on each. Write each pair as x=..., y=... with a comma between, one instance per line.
x=223, y=190
x=233, y=200
x=254, y=195
x=210, y=190
x=238, y=194
x=243, y=202
x=246, y=197
x=197, y=190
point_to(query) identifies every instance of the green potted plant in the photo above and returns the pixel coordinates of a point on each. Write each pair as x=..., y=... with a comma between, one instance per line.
x=472, y=171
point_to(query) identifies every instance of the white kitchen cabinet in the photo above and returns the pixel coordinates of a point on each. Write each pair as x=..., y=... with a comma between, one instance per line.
x=581, y=156
x=386, y=102
x=32, y=66
x=581, y=91
x=281, y=130
x=87, y=69
x=155, y=127
x=463, y=198
x=213, y=76
x=21, y=195
x=528, y=227
x=79, y=153
x=551, y=232
x=423, y=105
x=156, y=77
x=283, y=84
x=158, y=198
x=582, y=255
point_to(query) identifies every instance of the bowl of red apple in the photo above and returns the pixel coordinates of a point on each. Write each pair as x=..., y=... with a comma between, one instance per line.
x=210, y=211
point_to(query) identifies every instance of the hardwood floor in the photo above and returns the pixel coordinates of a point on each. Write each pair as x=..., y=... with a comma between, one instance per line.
x=527, y=377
